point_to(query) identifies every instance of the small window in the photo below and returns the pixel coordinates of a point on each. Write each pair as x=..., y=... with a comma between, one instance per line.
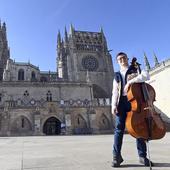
x=22, y=122
x=78, y=121
x=49, y=96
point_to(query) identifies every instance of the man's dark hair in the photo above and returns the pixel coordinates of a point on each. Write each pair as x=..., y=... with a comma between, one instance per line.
x=122, y=54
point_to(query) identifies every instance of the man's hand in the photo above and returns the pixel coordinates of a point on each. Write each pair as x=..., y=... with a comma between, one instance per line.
x=126, y=87
x=114, y=110
x=131, y=76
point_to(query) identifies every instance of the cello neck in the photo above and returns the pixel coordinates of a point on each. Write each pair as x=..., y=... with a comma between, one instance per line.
x=145, y=92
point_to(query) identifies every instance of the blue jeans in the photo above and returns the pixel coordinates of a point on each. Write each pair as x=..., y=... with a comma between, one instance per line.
x=120, y=119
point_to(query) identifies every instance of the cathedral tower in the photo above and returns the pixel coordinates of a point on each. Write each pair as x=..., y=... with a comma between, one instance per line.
x=62, y=56
x=4, y=51
x=85, y=54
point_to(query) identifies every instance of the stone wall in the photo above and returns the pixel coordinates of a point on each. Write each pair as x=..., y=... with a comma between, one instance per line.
x=25, y=109
x=160, y=80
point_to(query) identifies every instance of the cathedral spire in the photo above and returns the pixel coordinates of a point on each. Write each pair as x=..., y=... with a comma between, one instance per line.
x=101, y=30
x=103, y=40
x=147, y=65
x=66, y=36
x=71, y=29
x=4, y=51
x=4, y=27
x=155, y=60
x=59, y=39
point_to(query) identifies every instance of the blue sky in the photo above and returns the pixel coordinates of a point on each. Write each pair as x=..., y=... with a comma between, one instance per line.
x=132, y=26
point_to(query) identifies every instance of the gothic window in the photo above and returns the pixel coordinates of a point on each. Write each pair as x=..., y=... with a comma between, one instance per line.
x=26, y=93
x=33, y=76
x=96, y=38
x=49, y=96
x=22, y=122
x=87, y=37
x=78, y=120
x=90, y=63
x=21, y=74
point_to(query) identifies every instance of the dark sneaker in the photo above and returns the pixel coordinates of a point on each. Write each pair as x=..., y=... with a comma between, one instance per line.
x=117, y=160
x=145, y=161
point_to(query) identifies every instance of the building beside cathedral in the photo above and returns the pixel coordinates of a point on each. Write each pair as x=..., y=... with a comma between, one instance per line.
x=159, y=79
x=75, y=99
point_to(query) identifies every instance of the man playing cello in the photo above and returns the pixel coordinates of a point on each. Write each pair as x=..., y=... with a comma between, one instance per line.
x=120, y=107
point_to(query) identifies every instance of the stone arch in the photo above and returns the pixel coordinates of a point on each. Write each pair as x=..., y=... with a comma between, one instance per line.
x=104, y=123
x=21, y=126
x=52, y=126
x=47, y=117
x=80, y=125
x=21, y=74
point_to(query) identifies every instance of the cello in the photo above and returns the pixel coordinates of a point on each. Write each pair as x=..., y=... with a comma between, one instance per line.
x=143, y=121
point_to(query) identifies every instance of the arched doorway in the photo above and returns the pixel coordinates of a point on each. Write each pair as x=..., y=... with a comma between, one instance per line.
x=52, y=126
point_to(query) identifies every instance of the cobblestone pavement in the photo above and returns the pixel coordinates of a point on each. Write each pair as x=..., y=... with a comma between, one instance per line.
x=77, y=153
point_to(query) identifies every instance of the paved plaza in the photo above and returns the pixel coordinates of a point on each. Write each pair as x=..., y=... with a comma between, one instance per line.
x=76, y=153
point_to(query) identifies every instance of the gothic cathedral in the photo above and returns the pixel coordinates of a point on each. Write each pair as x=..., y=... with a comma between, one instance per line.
x=75, y=99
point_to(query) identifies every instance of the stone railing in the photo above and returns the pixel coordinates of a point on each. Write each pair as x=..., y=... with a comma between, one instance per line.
x=31, y=103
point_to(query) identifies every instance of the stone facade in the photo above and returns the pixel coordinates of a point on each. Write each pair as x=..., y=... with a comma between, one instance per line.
x=159, y=76
x=73, y=100
x=159, y=79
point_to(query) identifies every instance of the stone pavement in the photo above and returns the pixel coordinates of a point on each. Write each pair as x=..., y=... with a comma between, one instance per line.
x=76, y=153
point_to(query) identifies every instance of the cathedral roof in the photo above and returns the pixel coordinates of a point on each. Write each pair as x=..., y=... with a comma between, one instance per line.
x=26, y=64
